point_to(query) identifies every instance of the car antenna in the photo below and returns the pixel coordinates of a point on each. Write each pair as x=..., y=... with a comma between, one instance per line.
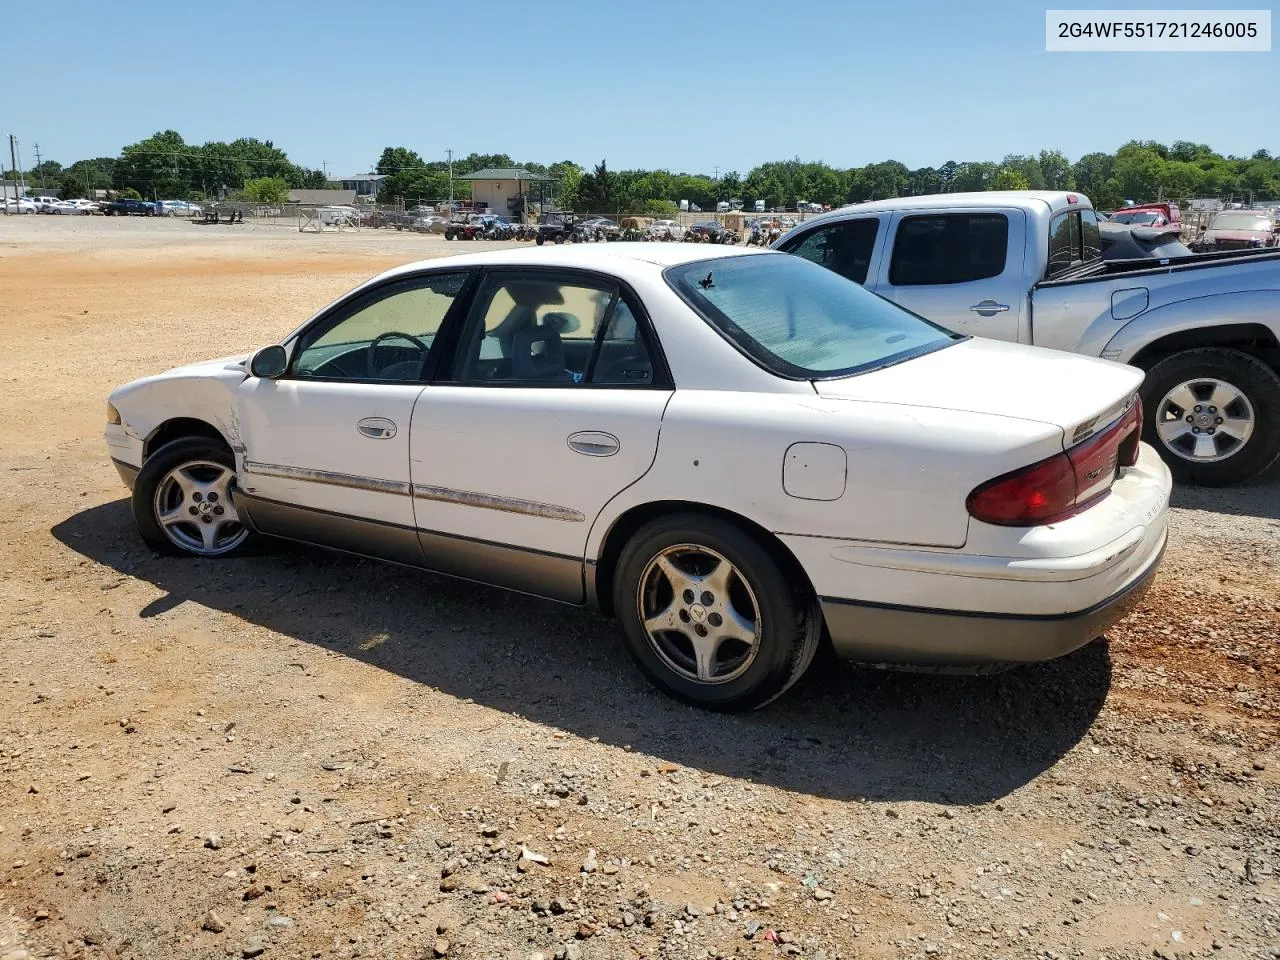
x=705, y=283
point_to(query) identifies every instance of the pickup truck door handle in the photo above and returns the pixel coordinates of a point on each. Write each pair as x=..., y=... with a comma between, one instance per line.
x=989, y=308
x=593, y=443
x=377, y=428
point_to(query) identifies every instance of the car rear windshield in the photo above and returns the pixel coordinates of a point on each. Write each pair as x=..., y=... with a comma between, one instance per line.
x=800, y=320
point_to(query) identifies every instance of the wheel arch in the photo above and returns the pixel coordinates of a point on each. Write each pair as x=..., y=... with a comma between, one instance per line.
x=1256, y=339
x=179, y=428
x=600, y=574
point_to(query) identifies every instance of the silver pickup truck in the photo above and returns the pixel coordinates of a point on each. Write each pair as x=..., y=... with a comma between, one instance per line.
x=1026, y=266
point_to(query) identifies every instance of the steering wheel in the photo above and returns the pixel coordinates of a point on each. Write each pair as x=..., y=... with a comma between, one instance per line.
x=373, y=351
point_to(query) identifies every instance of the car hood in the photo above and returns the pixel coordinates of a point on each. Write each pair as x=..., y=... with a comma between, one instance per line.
x=1000, y=379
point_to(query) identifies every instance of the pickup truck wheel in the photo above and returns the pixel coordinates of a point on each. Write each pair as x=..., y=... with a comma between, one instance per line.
x=1214, y=415
x=182, y=501
x=709, y=616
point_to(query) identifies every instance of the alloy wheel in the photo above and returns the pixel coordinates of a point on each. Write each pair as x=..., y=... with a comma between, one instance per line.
x=1204, y=420
x=699, y=614
x=194, y=509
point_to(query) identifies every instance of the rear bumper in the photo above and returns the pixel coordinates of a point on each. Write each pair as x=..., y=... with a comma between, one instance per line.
x=915, y=636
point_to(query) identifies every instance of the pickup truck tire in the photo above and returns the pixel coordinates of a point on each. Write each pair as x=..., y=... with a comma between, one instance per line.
x=1259, y=388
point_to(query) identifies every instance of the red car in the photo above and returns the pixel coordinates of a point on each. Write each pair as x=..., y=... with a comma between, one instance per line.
x=1149, y=215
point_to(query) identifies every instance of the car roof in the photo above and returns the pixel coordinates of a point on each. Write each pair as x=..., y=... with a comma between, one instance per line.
x=610, y=257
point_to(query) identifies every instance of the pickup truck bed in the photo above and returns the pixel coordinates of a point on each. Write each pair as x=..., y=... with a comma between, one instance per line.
x=1026, y=266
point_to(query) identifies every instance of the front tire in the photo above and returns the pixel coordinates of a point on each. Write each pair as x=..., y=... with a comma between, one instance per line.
x=1213, y=414
x=710, y=616
x=182, y=501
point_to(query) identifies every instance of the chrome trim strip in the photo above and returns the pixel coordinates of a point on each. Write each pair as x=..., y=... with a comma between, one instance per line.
x=327, y=477
x=489, y=501
x=467, y=498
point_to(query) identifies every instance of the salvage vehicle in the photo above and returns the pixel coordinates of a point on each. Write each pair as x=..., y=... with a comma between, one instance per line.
x=1239, y=230
x=706, y=231
x=601, y=228
x=732, y=452
x=1123, y=242
x=464, y=228
x=1149, y=215
x=664, y=230
x=1027, y=266
x=559, y=227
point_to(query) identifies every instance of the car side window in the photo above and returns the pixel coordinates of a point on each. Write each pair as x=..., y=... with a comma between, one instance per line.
x=532, y=329
x=622, y=355
x=845, y=247
x=949, y=248
x=387, y=340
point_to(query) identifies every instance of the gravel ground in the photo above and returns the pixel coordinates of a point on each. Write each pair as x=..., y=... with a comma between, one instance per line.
x=306, y=755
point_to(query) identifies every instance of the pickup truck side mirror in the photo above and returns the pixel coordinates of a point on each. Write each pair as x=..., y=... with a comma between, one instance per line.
x=269, y=362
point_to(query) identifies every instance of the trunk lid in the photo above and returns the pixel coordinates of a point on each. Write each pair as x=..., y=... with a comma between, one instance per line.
x=1076, y=394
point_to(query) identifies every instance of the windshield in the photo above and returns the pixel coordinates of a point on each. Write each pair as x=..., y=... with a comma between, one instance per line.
x=800, y=320
x=1241, y=221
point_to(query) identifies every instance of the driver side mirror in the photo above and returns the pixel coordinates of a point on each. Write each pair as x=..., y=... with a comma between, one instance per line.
x=269, y=362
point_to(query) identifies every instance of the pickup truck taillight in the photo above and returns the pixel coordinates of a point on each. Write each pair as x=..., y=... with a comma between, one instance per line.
x=1065, y=483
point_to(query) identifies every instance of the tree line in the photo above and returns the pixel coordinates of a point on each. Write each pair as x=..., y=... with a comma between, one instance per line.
x=165, y=166
x=1139, y=171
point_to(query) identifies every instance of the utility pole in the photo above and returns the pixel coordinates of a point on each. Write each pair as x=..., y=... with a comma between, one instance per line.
x=17, y=171
x=449, y=154
x=43, y=185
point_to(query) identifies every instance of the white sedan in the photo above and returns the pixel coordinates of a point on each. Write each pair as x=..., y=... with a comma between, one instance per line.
x=735, y=453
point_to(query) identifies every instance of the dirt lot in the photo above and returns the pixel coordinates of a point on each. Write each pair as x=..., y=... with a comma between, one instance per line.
x=305, y=755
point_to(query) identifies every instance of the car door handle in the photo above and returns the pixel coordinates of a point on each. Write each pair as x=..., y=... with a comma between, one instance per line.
x=989, y=308
x=377, y=428
x=593, y=443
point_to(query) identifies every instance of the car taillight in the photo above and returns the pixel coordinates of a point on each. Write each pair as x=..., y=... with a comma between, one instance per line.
x=1065, y=483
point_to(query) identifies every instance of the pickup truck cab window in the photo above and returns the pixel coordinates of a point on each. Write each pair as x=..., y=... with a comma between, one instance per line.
x=949, y=248
x=1074, y=239
x=844, y=247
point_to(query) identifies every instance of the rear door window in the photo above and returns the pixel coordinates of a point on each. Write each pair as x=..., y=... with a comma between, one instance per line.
x=949, y=248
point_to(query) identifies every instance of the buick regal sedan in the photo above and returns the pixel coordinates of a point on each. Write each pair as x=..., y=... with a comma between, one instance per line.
x=736, y=454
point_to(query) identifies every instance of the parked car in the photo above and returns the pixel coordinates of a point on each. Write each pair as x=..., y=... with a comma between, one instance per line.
x=776, y=454
x=601, y=228
x=178, y=208
x=128, y=206
x=432, y=223
x=1027, y=266
x=20, y=205
x=46, y=203
x=84, y=206
x=1239, y=230
x=1120, y=241
x=665, y=230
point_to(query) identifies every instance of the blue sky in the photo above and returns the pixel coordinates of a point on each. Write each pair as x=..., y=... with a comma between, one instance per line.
x=687, y=85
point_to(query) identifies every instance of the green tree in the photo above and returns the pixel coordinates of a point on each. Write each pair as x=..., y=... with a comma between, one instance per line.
x=266, y=190
x=1008, y=178
x=598, y=190
x=1092, y=171
x=395, y=159
x=1056, y=169
x=1029, y=167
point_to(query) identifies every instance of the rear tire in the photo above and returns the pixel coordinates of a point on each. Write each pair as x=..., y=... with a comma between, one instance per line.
x=748, y=633
x=1195, y=372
